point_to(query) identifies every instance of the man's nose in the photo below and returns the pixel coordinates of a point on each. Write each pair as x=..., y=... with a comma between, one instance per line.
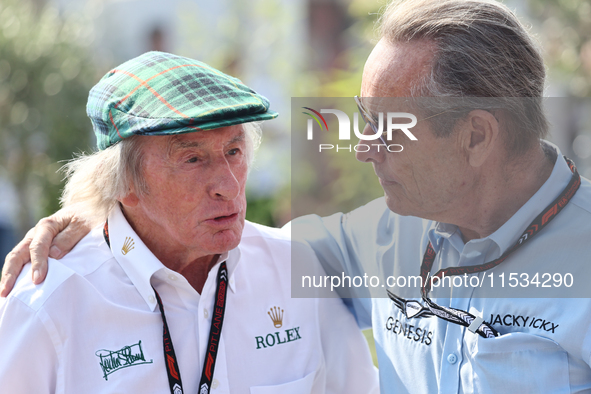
x=374, y=153
x=224, y=183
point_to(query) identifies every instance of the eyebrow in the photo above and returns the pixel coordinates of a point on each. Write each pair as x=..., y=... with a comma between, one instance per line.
x=239, y=138
x=175, y=144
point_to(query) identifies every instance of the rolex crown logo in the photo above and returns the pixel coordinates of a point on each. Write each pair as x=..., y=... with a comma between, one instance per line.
x=127, y=245
x=276, y=314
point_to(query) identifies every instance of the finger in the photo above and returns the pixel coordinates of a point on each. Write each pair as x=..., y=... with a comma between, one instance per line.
x=14, y=262
x=45, y=232
x=69, y=237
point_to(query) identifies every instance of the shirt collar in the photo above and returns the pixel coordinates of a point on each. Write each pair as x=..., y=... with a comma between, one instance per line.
x=509, y=233
x=506, y=236
x=231, y=258
x=438, y=232
x=140, y=264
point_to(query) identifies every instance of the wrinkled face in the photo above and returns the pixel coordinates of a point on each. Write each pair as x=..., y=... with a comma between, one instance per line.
x=195, y=200
x=428, y=177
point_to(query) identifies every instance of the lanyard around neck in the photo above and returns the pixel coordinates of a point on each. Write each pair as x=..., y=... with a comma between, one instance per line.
x=465, y=318
x=217, y=320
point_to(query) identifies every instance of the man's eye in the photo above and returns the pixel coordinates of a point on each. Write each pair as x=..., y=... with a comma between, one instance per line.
x=192, y=160
x=234, y=152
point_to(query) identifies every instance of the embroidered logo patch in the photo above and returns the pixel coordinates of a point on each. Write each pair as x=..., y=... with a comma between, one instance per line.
x=276, y=314
x=410, y=308
x=114, y=360
x=278, y=337
x=127, y=246
x=522, y=321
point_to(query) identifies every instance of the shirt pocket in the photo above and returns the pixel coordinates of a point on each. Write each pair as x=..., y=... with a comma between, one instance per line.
x=300, y=386
x=520, y=363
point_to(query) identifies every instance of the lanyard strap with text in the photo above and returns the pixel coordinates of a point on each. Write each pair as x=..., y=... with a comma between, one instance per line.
x=217, y=320
x=465, y=318
x=172, y=366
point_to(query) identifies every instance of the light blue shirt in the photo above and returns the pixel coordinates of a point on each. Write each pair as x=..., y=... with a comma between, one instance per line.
x=544, y=344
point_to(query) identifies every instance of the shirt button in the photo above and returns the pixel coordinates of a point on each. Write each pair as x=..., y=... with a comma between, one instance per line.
x=171, y=277
x=151, y=299
x=205, y=313
x=452, y=358
x=214, y=384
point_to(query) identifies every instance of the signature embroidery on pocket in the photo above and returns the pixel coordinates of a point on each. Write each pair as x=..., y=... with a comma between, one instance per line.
x=114, y=360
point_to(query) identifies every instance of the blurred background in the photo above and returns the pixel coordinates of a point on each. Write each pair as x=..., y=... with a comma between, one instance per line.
x=53, y=51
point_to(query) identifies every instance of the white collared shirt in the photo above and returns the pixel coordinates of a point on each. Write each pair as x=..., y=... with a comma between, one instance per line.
x=94, y=325
x=545, y=342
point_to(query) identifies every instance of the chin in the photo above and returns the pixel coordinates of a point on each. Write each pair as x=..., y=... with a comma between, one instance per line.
x=226, y=240
x=233, y=244
x=396, y=206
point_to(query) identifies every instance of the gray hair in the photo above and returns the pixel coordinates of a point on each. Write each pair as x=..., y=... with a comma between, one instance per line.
x=482, y=51
x=96, y=181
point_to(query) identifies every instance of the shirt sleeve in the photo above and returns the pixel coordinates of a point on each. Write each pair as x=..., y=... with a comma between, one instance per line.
x=349, y=368
x=28, y=359
x=331, y=242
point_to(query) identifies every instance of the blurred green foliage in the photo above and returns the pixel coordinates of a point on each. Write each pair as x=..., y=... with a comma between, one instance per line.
x=565, y=35
x=260, y=210
x=368, y=334
x=343, y=183
x=44, y=81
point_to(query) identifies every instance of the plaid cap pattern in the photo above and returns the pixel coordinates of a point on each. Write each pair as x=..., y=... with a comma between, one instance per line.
x=160, y=93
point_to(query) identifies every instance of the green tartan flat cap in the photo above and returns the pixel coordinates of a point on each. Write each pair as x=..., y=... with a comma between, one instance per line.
x=159, y=93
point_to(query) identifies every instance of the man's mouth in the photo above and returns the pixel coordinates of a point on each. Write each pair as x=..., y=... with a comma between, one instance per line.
x=387, y=182
x=224, y=219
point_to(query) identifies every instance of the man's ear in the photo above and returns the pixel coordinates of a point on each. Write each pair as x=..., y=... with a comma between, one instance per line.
x=130, y=200
x=479, y=134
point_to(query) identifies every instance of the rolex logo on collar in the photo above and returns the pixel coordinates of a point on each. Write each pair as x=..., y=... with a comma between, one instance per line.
x=276, y=314
x=128, y=245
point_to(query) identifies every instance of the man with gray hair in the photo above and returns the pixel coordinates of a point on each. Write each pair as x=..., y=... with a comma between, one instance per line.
x=479, y=196
x=174, y=290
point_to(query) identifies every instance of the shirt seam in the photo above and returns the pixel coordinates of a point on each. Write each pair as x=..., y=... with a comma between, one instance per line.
x=61, y=284
x=53, y=337
x=98, y=266
x=579, y=205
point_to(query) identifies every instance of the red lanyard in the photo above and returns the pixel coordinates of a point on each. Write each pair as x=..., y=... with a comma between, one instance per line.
x=465, y=318
x=217, y=320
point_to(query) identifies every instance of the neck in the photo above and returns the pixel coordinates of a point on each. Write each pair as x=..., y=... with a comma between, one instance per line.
x=197, y=272
x=195, y=268
x=501, y=191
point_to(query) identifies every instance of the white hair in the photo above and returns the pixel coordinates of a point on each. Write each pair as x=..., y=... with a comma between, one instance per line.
x=95, y=182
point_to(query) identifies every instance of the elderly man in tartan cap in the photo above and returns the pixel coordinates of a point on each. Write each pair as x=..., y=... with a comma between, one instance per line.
x=174, y=290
